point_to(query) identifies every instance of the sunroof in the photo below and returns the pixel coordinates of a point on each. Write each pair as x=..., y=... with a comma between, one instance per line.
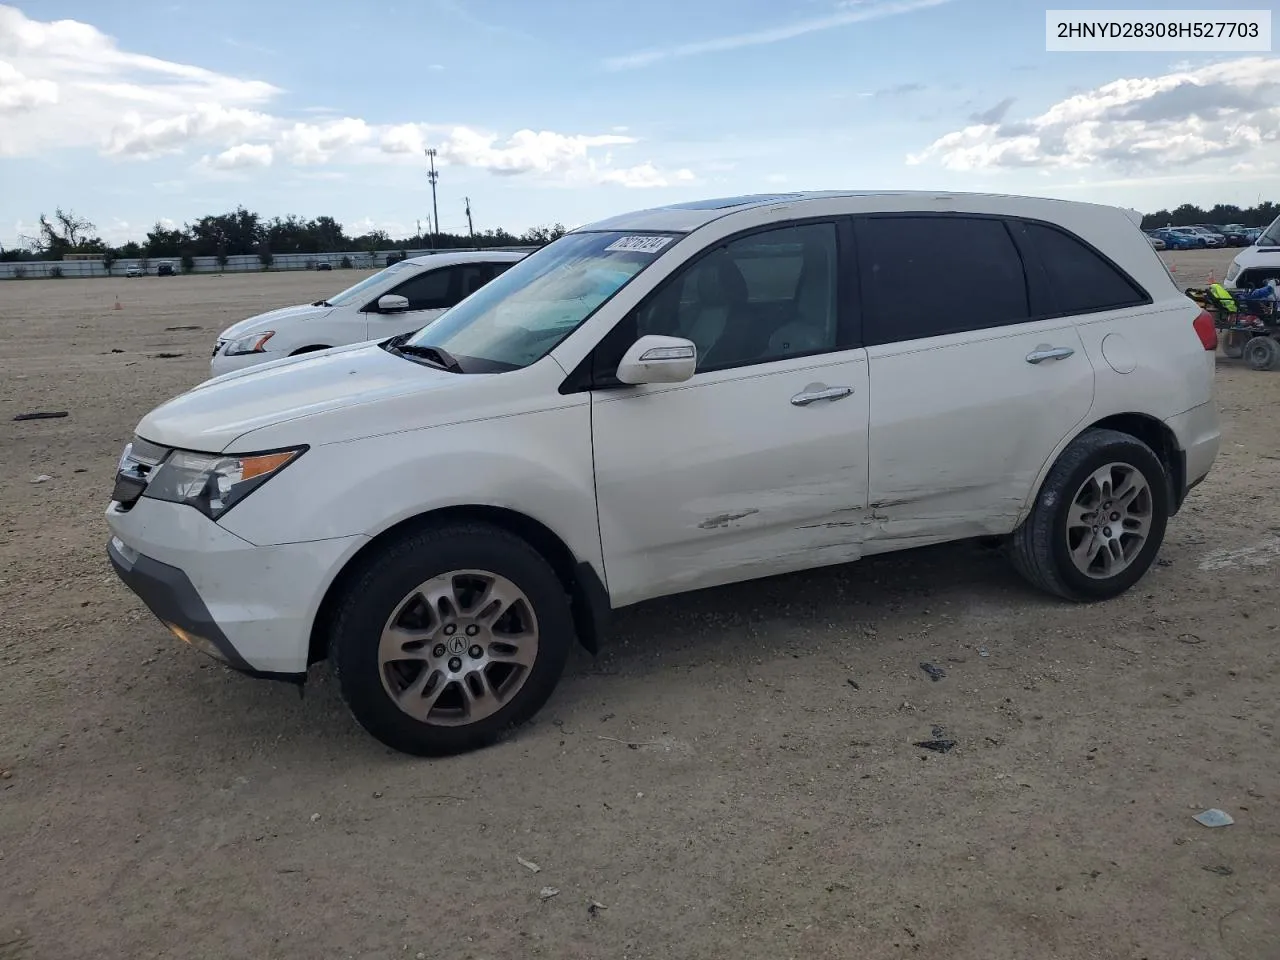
x=724, y=202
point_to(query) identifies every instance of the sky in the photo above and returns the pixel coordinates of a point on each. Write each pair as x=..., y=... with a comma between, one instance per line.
x=568, y=111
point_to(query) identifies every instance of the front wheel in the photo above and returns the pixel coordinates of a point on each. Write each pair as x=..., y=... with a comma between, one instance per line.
x=449, y=637
x=1098, y=521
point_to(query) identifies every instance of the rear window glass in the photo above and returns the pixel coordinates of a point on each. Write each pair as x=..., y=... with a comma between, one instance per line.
x=1080, y=279
x=930, y=276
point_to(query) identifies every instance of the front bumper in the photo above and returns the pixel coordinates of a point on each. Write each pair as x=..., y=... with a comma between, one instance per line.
x=252, y=606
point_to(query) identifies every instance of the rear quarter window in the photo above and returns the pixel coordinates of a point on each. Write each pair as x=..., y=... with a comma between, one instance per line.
x=1078, y=278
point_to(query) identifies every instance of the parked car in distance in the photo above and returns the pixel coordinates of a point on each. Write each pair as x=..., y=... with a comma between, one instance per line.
x=166, y=269
x=403, y=297
x=1232, y=234
x=1156, y=242
x=1180, y=238
x=324, y=265
x=134, y=270
x=663, y=401
x=1211, y=238
x=1256, y=265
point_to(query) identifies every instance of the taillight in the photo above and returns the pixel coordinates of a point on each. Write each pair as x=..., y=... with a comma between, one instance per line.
x=1206, y=330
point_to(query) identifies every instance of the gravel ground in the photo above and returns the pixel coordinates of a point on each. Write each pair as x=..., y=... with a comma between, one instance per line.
x=734, y=776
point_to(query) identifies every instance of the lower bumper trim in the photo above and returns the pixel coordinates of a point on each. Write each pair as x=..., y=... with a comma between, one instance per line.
x=169, y=594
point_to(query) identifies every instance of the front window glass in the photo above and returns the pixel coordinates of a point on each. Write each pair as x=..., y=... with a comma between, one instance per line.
x=1271, y=236
x=518, y=318
x=353, y=292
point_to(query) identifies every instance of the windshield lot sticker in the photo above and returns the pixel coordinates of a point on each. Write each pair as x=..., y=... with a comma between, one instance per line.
x=639, y=244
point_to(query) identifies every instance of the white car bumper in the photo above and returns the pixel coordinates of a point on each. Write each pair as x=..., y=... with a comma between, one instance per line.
x=251, y=606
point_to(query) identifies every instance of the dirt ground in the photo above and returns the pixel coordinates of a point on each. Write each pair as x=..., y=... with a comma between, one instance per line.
x=734, y=776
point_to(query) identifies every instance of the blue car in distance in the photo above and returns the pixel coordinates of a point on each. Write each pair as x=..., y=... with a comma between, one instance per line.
x=1180, y=238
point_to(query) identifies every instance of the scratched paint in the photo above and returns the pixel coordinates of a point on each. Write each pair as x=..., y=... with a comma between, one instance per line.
x=1259, y=555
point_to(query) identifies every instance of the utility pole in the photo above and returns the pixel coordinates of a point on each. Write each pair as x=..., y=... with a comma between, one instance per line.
x=433, y=177
x=471, y=230
x=419, y=233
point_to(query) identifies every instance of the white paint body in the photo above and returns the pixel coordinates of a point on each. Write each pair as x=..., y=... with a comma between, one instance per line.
x=667, y=487
x=319, y=325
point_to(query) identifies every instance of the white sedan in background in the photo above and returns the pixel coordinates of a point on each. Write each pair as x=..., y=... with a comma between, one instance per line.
x=404, y=297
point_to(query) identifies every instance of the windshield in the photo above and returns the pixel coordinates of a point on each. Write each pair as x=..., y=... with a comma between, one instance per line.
x=356, y=291
x=1271, y=236
x=519, y=318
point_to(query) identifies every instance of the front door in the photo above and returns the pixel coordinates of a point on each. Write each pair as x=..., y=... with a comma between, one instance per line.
x=757, y=464
x=430, y=294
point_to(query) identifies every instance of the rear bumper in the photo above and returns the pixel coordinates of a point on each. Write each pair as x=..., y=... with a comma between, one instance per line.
x=1199, y=437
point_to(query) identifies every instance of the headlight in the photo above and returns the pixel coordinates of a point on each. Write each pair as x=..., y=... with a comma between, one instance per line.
x=253, y=343
x=214, y=483
x=1233, y=271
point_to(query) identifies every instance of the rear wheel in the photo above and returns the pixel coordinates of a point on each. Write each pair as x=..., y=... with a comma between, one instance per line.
x=1262, y=353
x=451, y=636
x=1098, y=521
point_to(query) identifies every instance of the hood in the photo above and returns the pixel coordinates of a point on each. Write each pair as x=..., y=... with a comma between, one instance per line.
x=263, y=321
x=214, y=414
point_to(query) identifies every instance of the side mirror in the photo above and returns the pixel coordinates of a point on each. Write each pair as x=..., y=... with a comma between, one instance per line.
x=391, y=302
x=655, y=359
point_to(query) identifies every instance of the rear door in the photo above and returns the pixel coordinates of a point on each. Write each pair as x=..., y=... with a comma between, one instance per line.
x=970, y=391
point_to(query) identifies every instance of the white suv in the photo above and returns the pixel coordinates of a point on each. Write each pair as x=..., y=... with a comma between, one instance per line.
x=404, y=297
x=1256, y=265
x=668, y=400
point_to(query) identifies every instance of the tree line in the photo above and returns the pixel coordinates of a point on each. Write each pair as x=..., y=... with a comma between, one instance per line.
x=1221, y=214
x=244, y=232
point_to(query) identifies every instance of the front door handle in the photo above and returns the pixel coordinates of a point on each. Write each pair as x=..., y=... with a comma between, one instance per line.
x=1049, y=353
x=807, y=397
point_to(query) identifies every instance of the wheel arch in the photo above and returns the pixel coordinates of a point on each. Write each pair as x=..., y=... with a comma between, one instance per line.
x=588, y=595
x=1150, y=430
x=310, y=348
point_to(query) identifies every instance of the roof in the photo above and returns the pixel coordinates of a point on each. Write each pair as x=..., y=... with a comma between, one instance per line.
x=687, y=217
x=447, y=258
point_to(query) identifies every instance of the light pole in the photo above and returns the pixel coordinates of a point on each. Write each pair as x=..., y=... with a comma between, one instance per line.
x=471, y=231
x=433, y=177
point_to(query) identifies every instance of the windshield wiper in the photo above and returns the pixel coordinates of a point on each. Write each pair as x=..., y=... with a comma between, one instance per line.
x=322, y=303
x=436, y=356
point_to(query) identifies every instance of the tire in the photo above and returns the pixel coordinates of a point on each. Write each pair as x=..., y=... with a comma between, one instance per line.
x=381, y=592
x=1041, y=548
x=1262, y=353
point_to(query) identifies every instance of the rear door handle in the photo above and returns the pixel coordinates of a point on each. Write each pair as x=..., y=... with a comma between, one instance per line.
x=807, y=397
x=1049, y=353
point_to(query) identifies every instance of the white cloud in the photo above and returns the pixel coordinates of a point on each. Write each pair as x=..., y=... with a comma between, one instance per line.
x=65, y=84
x=243, y=156
x=19, y=92
x=309, y=143
x=1224, y=111
x=849, y=13
x=136, y=137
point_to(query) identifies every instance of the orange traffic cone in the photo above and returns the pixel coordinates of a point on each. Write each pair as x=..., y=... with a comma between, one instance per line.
x=1212, y=279
x=117, y=306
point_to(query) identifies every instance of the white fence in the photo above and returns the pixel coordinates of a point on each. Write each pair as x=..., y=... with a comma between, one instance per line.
x=241, y=263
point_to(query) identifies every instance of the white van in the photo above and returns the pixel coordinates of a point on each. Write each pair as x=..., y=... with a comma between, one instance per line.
x=404, y=297
x=1256, y=265
x=664, y=401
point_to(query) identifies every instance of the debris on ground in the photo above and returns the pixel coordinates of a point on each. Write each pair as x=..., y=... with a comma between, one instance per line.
x=1213, y=818
x=594, y=907
x=546, y=893
x=42, y=415
x=982, y=652
x=1190, y=638
x=939, y=744
x=165, y=356
x=43, y=478
x=1221, y=870
x=527, y=864
x=315, y=818
x=181, y=328
x=853, y=683
x=935, y=673
x=116, y=350
x=1163, y=562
